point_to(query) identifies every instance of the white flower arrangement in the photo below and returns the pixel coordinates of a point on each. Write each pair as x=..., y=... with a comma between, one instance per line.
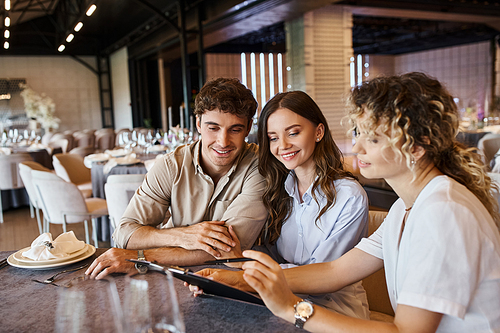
x=40, y=107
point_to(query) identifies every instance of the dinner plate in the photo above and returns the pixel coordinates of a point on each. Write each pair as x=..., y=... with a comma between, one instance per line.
x=90, y=250
x=97, y=157
x=127, y=161
x=19, y=257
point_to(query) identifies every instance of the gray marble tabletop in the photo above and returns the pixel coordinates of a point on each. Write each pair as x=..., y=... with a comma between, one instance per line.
x=27, y=306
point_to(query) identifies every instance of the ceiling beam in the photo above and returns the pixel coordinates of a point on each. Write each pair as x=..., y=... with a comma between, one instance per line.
x=492, y=21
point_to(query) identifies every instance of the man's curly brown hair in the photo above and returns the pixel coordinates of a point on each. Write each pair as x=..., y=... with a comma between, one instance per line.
x=227, y=95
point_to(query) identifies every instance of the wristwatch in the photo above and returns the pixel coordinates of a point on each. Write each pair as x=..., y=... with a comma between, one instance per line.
x=303, y=311
x=141, y=268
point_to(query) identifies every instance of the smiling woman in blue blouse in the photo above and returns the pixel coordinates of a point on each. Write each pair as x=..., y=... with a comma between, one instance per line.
x=317, y=210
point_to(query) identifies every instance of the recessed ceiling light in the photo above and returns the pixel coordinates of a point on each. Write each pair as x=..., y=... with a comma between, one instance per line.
x=70, y=38
x=91, y=10
x=61, y=48
x=78, y=26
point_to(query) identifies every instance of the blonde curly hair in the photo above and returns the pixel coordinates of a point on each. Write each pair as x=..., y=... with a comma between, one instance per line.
x=416, y=109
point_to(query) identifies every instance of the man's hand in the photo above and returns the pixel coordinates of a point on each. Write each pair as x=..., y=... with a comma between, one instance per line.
x=235, y=251
x=112, y=261
x=209, y=236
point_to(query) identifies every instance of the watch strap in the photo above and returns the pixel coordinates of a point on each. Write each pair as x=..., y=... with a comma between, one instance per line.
x=140, y=255
x=299, y=321
x=142, y=269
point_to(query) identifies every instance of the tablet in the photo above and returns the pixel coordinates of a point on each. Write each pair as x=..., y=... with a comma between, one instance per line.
x=211, y=287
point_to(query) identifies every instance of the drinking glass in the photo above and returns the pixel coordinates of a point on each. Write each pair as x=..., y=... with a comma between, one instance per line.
x=89, y=306
x=151, y=305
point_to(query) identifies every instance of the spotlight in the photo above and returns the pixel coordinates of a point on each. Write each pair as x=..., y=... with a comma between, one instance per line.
x=78, y=26
x=61, y=48
x=6, y=33
x=70, y=38
x=7, y=21
x=6, y=45
x=91, y=10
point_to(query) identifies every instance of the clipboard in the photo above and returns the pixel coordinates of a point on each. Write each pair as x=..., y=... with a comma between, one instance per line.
x=210, y=287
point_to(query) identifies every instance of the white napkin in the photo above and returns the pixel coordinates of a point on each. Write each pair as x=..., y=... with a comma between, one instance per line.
x=114, y=162
x=118, y=152
x=43, y=248
x=5, y=151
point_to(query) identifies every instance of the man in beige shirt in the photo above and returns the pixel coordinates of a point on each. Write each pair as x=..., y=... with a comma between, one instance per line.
x=212, y=187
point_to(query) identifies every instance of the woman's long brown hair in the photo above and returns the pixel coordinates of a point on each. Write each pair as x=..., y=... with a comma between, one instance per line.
x=327, y=157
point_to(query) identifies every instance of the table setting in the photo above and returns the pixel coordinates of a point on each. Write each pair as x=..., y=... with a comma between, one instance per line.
x=45, y=253
x=150, y=302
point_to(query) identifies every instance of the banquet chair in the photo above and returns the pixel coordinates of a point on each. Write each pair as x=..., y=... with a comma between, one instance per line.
x=70, y=167
x=489, y=147
x=9, y=174
x=119, y=189
x=83, y=151
x=62, y=203
x=59, y=143
x=25, y=169
x=105, y=140
x=375, y=284
x=69, y=137
x=84, y=139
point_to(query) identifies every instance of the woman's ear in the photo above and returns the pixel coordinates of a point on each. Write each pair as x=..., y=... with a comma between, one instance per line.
x=320, y=131
x=419, y=151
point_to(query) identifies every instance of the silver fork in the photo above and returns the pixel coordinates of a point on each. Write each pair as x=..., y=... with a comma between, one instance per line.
x=51, y=279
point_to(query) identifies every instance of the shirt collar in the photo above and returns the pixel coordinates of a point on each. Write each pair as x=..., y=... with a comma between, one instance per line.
x=293, y=191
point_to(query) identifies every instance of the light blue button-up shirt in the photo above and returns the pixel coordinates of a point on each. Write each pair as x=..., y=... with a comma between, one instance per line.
x=304, y=240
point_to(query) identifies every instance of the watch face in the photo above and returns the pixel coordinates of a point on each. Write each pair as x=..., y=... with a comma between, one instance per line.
x=304, y=309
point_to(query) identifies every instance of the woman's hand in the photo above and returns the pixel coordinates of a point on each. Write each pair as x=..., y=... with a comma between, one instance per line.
x=267, y=278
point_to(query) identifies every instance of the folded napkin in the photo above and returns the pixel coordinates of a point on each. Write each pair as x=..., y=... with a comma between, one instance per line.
x=114, y=162
x=5, y=151
x=118, y=152
x=44, y=248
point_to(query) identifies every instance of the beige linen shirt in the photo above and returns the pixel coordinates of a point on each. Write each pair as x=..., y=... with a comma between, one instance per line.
x=178, y=182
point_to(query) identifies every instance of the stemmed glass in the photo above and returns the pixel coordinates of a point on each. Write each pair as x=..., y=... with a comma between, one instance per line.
x=89, y=306
x=151, y=304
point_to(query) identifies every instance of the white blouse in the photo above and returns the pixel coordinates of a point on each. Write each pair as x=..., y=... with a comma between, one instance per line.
x=448, y=259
